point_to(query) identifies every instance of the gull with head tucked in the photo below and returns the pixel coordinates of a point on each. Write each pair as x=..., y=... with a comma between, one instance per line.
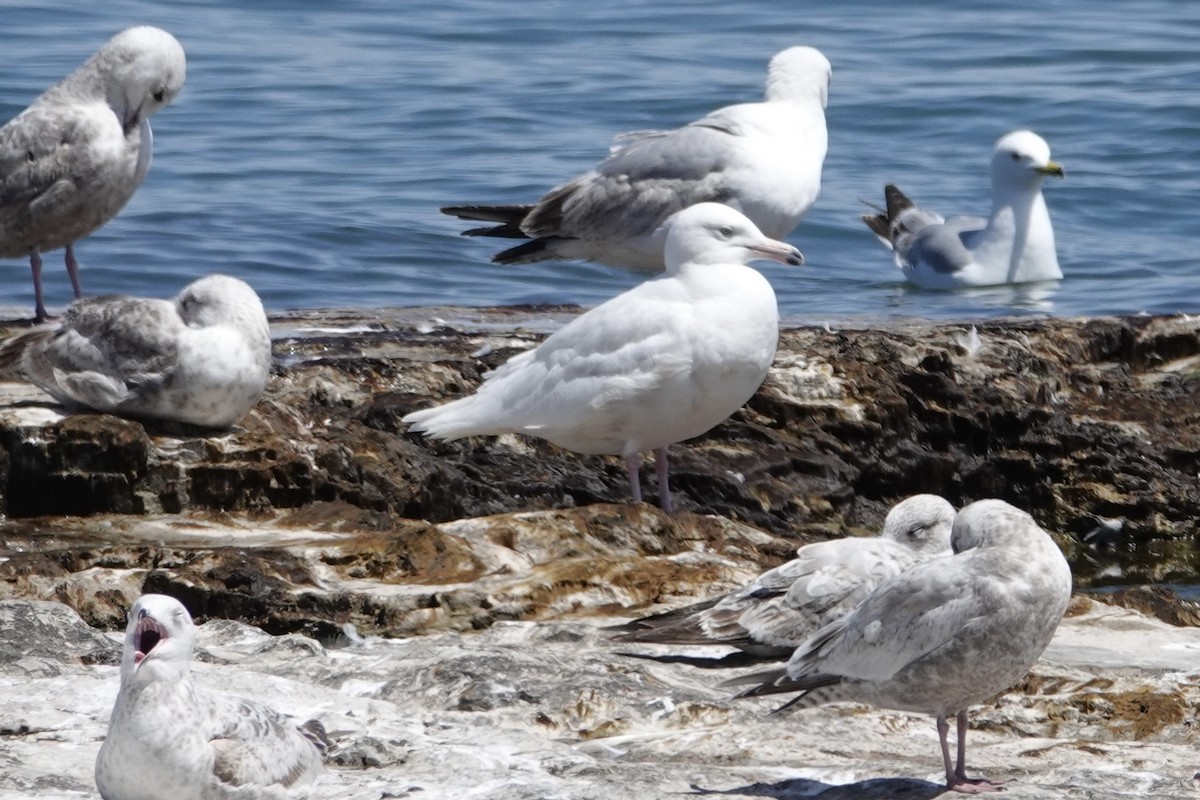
x=74, y=158
x=203, y=358
x=764, y=159
x=168, y=738
x=664, y=362
x=773, y=614
x=943, y=635
x=1014, y=245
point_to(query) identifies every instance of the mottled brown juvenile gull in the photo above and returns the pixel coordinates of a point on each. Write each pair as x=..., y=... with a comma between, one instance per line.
x=1014, y=245
x=763, y=159
x=663, y=362
x=203, y=358
x=169, y=739
x=771, y=616
x=72, y=160
x=943, y=635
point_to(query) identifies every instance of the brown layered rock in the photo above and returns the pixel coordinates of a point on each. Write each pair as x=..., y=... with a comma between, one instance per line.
x=1077, y=421
x=321, y=521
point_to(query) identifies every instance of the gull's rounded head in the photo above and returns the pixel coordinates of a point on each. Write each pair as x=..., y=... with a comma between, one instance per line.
x=158, y=639
x=221, y=300
x=142, y=69
x=988, y=523
x=799, y=73
x=1022, y=158
x=713, y=233
x=922, y=523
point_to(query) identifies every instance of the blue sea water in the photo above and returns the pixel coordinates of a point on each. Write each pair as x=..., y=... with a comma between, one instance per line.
x=314, y=141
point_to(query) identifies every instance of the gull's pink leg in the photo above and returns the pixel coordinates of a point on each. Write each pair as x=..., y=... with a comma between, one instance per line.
x=943, y=729
x=632, y=464
x=73, y=271
x=957, y=781
x=39, y=308
x=664, y=487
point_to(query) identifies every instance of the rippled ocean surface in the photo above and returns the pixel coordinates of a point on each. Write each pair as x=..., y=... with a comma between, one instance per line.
x=314, y=141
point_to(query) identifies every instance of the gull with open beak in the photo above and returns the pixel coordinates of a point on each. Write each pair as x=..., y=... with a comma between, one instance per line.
x=168, y=738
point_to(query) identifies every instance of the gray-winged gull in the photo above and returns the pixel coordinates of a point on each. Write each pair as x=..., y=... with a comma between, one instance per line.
x=168, y=738
x=771, y=616
x=943, y=635
x=763, y=159
x=1014, y=245
x=72, y=160
x=661, y=363
x=203, y=358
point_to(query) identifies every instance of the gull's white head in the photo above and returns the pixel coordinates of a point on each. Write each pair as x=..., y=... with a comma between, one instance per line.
x=922, y=523
x=799, y=73
x=140, y=70
x=713, y=233
x=222, y=300
x=158, y=640
x=1021, y=159
x=987, y=523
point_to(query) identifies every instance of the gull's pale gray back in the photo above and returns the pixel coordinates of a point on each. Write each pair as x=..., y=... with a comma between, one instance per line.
x=992, y=523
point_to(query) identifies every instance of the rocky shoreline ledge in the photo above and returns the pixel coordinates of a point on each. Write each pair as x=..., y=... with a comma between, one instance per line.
x=489, y=565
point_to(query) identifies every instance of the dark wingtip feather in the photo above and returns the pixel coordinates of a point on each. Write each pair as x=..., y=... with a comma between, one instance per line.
x=314, y=731
x=896, y=202
x=878, y=223
x=503, y=214
x=534, y=250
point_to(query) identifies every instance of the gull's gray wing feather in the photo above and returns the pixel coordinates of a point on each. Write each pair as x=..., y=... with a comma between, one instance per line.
x=105, y=350
x=944, y=248
x=908, y=617
x=631, y=193
x=39, y=152
x=255, y=745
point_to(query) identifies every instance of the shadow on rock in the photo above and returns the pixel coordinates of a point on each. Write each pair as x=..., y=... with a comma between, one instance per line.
x=892, y=788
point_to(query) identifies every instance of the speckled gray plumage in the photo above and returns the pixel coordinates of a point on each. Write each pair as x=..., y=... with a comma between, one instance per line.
x=776, y=612
x=168, y=738
x=203, y=359
x=74, y=158
x=946, y=634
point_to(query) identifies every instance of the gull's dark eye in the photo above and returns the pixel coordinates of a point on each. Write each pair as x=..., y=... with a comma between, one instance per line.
x=159, y=95
x=725, y=231
x=1016, y=156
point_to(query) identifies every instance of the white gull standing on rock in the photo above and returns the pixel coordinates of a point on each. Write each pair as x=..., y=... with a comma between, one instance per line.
x=72, y=160
x=763, y=159
x=944, y=635
x=171, y=740
x=663, y=362
x=771, y=616
x=1014, y=245
x=203, y=358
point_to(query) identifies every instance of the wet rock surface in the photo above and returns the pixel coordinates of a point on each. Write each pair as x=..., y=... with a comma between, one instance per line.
x=489, y=564
x=1077, y=421
x=552, y=710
